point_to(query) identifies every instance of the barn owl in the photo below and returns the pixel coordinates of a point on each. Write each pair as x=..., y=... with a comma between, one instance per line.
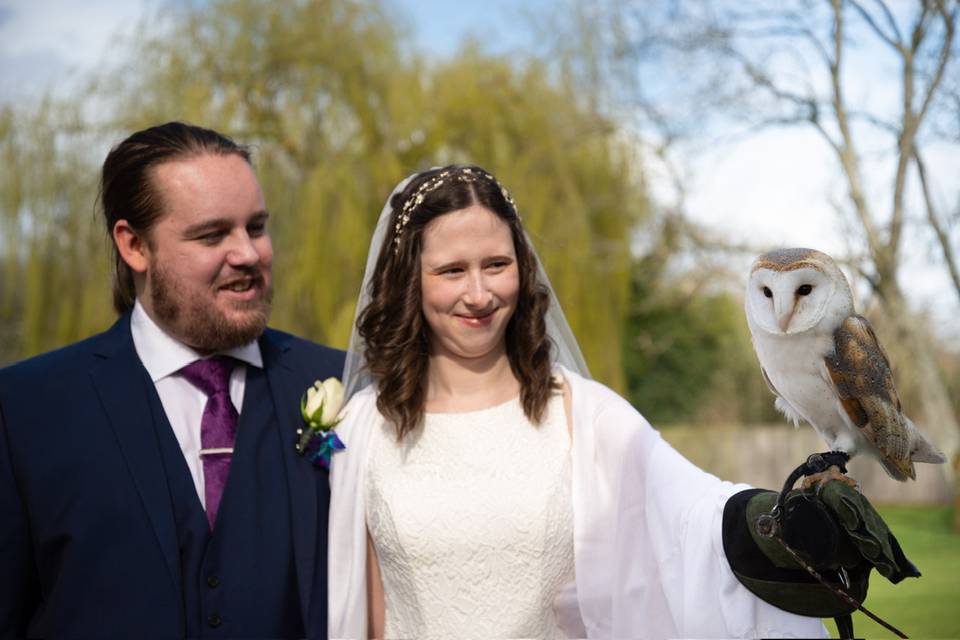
x=824, y=363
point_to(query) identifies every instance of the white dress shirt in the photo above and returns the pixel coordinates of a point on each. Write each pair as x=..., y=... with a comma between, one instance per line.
x=163, y=357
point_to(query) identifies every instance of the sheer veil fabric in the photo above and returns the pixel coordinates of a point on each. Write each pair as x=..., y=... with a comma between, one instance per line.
x=355, y=377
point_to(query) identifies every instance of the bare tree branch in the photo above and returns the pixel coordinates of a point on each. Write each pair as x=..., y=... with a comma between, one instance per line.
x=790, y=31
x=891, y=21
x=920, y=26
x=846, y=149
x=895, y=40
x=913, y=119
x=807, y=105
x=934, y=219
x=878, y=122
x=908, y=128
x=943, y=60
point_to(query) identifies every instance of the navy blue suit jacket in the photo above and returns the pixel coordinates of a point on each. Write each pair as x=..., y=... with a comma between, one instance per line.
x=87, y=540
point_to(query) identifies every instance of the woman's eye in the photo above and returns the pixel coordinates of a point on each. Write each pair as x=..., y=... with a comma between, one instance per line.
x=804, y=289
x=767, y=292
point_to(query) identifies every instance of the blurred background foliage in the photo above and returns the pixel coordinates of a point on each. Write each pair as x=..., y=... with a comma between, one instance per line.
x=338, y=108
x=339, y=105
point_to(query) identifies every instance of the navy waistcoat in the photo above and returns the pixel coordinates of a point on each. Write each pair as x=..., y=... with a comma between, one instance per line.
x=239, y=580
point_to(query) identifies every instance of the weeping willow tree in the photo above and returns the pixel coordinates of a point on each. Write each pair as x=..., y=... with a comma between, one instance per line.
x=53, y=267
x=338, y=107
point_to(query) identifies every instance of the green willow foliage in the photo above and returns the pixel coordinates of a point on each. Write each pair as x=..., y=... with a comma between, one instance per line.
x=53, y=265
x=338, y=107
x=687, y=352
x=689, y=360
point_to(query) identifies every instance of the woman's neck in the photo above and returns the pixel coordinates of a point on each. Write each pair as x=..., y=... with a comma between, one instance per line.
x=457, y=385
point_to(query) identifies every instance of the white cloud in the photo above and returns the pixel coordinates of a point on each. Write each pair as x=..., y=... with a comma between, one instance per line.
x=769, y=190
x=44, y=42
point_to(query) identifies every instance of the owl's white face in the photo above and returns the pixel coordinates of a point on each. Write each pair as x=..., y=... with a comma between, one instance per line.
x=792, y=301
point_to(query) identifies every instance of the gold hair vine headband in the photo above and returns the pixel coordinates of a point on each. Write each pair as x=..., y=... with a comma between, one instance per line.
x=465, y=174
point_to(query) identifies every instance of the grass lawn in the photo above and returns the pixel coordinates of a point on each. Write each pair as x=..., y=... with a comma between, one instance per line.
x=925, y=607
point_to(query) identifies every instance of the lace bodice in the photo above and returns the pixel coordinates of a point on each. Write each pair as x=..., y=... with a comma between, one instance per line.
x=472, y=521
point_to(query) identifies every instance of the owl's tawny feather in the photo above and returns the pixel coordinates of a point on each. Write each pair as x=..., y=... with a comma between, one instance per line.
x=861, y=373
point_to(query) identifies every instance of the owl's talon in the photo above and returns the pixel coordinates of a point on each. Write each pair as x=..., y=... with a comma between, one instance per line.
x=832, y=472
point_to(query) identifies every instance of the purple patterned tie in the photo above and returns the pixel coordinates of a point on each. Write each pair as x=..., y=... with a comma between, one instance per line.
x=218, y=427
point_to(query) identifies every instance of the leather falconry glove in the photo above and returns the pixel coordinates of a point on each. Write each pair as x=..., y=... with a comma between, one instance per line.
x=833, y=528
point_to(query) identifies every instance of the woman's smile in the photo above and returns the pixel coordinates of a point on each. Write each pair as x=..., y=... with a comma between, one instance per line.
x=481, y=319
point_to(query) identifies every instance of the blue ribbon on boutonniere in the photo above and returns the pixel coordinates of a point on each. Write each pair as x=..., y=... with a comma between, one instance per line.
x=320, y=409
x=321, y=447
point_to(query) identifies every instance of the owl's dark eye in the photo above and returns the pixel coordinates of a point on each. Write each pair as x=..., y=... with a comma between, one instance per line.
x=767, y=292
x=804, y=289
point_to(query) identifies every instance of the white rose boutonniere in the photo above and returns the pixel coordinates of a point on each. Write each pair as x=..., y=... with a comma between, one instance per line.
x=320, y=407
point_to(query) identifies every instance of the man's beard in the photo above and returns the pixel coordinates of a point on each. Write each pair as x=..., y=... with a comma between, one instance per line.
x=200, y=324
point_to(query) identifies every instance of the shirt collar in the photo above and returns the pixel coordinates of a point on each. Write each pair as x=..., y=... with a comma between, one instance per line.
x=163, y=355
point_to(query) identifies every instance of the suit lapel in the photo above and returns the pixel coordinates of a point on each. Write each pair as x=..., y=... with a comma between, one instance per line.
x=124, y=389
x=301, y=476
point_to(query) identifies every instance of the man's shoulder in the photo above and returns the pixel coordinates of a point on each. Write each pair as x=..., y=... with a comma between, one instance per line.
x=63, y=360
x=304, y=349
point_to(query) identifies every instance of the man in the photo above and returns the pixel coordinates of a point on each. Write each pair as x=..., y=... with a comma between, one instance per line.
x=149, y=483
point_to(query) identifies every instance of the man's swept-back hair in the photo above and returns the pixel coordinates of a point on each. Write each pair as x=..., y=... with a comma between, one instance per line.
x=127, y=190
x=392, y=324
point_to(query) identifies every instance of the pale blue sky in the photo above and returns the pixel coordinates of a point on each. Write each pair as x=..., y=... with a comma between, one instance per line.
x=45, y=42
x=48, y=41
x=502, y=25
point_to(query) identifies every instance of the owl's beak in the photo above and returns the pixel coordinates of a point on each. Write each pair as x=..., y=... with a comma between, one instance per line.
x=785, y=321
x=784, y=316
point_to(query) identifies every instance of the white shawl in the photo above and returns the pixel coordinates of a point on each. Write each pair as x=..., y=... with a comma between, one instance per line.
x=647, y=533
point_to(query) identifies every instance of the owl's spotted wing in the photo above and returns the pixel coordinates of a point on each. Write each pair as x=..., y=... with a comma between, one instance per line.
x=860, y=371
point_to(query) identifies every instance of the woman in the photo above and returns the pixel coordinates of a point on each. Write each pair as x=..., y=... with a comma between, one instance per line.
x=490, y=488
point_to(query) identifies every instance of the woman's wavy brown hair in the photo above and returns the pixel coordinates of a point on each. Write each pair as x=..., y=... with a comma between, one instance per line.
x=393, y=326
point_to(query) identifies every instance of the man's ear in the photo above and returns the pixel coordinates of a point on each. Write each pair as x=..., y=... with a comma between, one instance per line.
x=132, y=246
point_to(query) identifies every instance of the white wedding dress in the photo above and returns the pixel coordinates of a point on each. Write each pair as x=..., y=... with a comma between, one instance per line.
x=472, y=521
